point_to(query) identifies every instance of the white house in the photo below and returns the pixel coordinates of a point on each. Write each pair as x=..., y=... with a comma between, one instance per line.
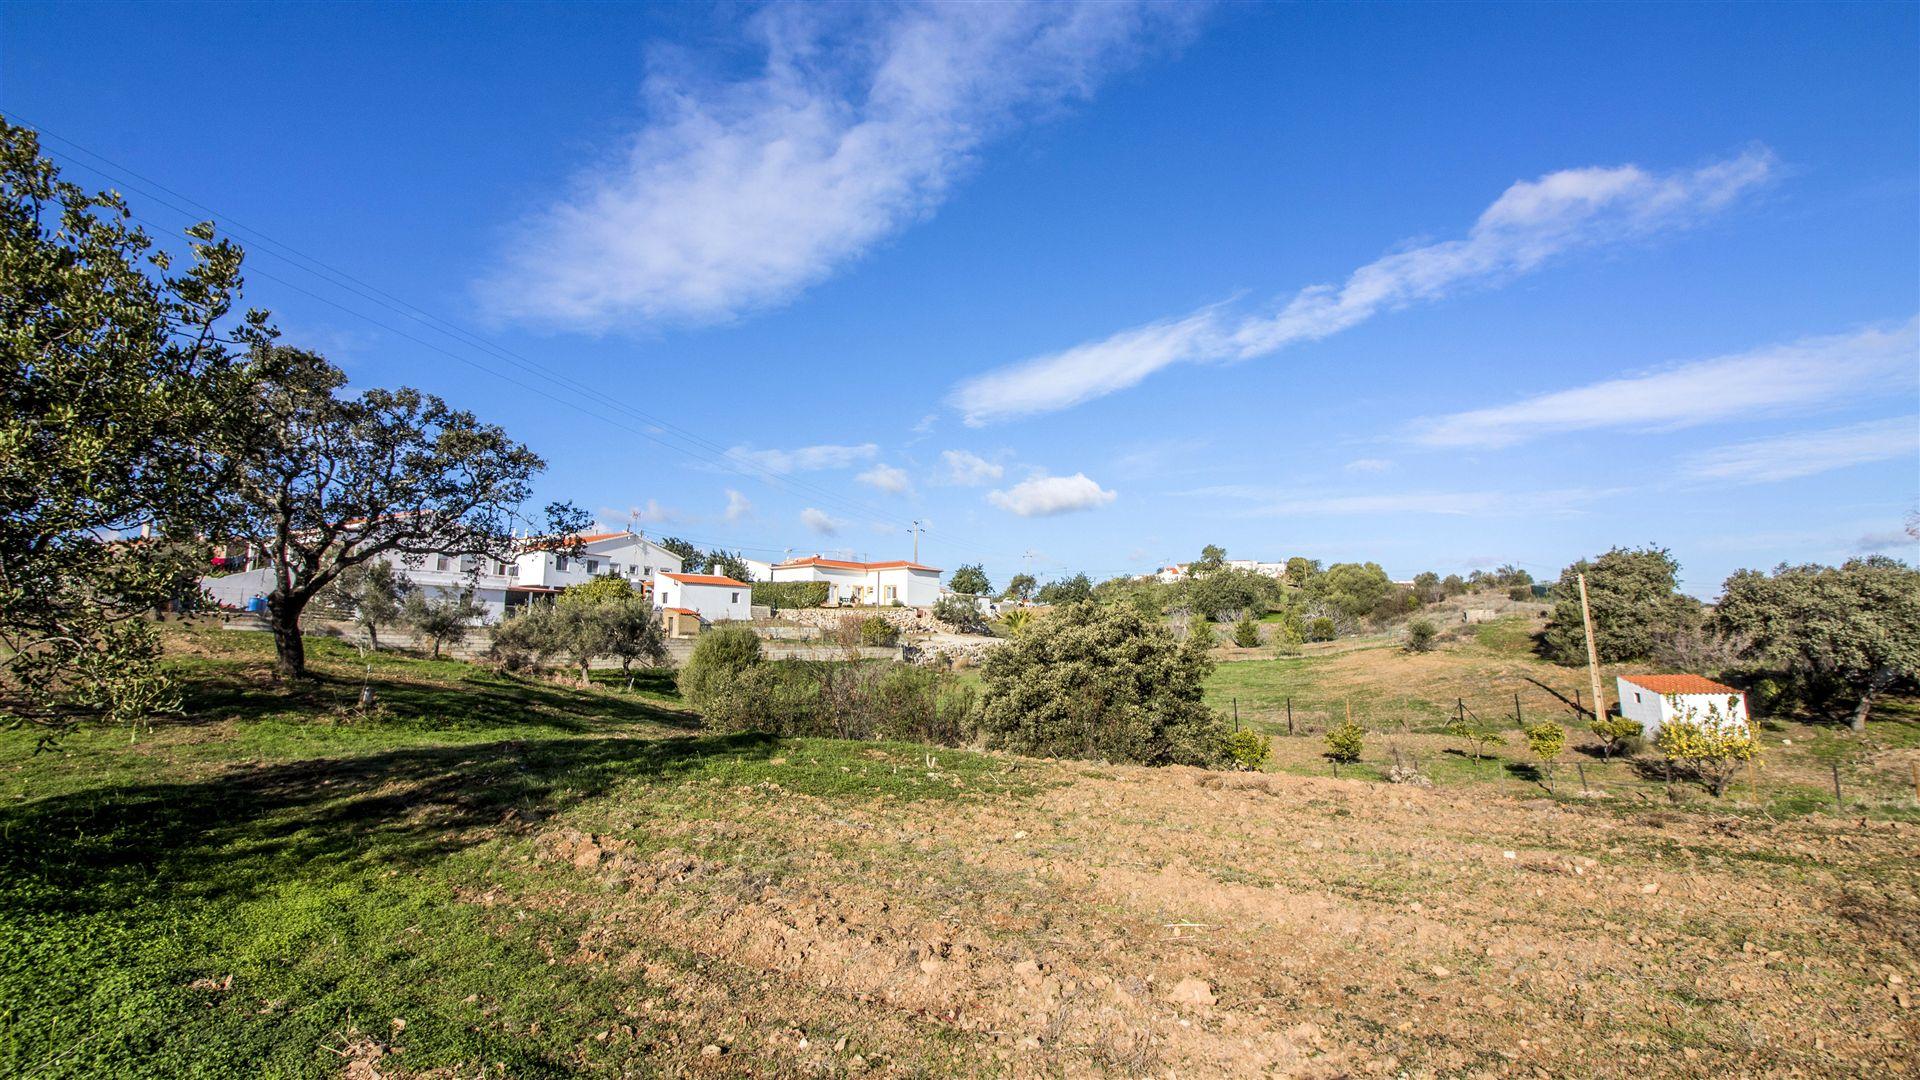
x=625, y=554
x=713, y=597
x=883, y=584
x=1655, y=700
x=757, y=570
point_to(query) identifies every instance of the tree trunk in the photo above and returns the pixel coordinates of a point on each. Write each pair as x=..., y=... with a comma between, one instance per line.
x=1861, y=710
x=373, y=637
x=290, y=650
x=436, y=647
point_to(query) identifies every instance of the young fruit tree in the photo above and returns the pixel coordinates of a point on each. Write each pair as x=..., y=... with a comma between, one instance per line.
x=114, y=368
x=441, y=615
x=1546, y=739
x=323, y=481
x=371, y=594
x=1712, y=746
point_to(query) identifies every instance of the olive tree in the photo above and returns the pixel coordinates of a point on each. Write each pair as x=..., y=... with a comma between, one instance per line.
x=114, y=368
x=1101, y=681
x=971, y=579
x=1635, y=597
x=440, y=614
x=371, y=595
x=1857, y=626
x=325, y=480
x=1021, y=587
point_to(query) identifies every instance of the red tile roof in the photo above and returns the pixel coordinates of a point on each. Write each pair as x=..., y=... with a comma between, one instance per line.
x=1678, y=684
x=843, y=564
x=705, y=579
x=684, y=611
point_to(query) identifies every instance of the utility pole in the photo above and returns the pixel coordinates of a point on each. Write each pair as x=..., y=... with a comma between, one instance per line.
x=916, y=539
x=1593, y=654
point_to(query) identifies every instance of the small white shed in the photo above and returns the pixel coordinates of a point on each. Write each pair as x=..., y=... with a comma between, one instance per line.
x=1655, y=700
x=715, y=597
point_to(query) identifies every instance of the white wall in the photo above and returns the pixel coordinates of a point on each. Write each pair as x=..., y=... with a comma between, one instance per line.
x=1653, y=711
x=715, y=603
x=234, y=590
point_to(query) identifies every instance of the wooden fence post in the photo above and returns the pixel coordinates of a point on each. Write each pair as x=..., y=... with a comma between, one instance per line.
x=1289, y=714
x=1839, y=806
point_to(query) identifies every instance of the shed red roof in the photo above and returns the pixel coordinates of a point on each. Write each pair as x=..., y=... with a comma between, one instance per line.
x=844, y=564
x=684, y=611
x=704, y=579
x=1679, y=684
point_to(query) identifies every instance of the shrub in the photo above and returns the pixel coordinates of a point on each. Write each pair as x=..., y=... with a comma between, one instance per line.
x=876, y=630
x=960, y=613
x=917, y=704
x=1616, y=732
x=1421, y=634
x=1321, y=629
x=1520, y=592
x=1249, y=748
x=1018, y=620
x=1346, y=740
x=1200, y=634
x=783, y=698
x=719, y=657
x=1102, y=682
x=1546, y=739
x=790, y=594
x=1711, y=750
x=1246, y=634
x=1478, y=736
x=440, y=616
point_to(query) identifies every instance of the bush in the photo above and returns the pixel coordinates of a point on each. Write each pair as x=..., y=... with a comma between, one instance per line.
x=719, y=657
x=790, y=594
x=1246, y=634
x=917, y=704
x=1546, y=739
x=877, y=631
x=1712, y=751
x=960, y=613
x=1421, y=634
x=1101, y=682
x=1249, y=748
x=1478, y=736
x=1346, y=740
x=782, y=698
x=1018, y=620
x=1617, y=733
x=1520, y=592
x=1321, y=629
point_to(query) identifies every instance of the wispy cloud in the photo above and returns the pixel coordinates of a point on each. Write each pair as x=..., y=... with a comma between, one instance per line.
x=805, y=458
x=738, y=195
x=964, y=468
x=1805, y=453
x=820, y=522
x=1770, y=380
x=1530, y=222
x=739, y=507
x=1045, y=496
x=651, y=514
x=1368, y=465
x=1274, y=503
x=887, y=478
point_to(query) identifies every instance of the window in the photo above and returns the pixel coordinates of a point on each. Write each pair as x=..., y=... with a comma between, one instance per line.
x=649, y=571
x=560, y=563
x=440, y=562
x=893, y=593
x=593, y=566
x=735, y=600
x=1636, y=697
x=613, y=568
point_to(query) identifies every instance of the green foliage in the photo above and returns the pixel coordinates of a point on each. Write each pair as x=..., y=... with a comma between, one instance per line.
x=1069, y=590
x=787, y=595
x=1150, y=598
x=876, y=630
x=1201, y=634
x=971, y=579
x=1617, y=733
x=1301, y=571
x=1421, y=634
x=1021, y=587
x=719, y=657
x=1857, y=625
x=114, y=373
x=1453, y=585
x=1246, y=634
x=1212, y=558
x=960, y=613
x=1249, y=749
x=1545, y=739
x=842, y=700
x=1507, y=576
x=1101, y=682
x=1356, y=590
x=370, y=594
x=599, y=589
x=1019, y=620
x=691, y=557
x=1346, y=741
x=1321, y=628
x=1711, y=747
x=1478, y=737
x=1231, y=594
x=1427, y=587
x=586, y=622
x=1520, y=592
x=438, y=614
x=727, y=564
x=1634, y=594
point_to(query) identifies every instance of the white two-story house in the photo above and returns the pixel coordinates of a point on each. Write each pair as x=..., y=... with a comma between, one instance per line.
x=882, y=584
x=711, y=597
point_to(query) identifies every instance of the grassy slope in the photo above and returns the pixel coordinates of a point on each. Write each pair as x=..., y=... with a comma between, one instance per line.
x=274, y=884
x=1406, y=700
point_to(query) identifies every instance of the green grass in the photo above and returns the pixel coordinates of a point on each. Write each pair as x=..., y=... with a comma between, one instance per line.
x=247, y=890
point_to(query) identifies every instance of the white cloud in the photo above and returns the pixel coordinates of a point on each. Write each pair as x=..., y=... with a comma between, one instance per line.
x=738, y=195
x=1805, y=453
x=819, y=521
x=1529, y=223
x=968, y=469
x=1737, y=386
x=650, y=514
x=1044, y=496
x=1368, y=465
x=805, y=458
x=739, y=507
x=886, y=478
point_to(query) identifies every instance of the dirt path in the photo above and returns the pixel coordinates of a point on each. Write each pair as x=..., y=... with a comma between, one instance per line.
x=1175, y=922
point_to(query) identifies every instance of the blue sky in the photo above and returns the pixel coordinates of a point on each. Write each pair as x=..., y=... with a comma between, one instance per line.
x=1440, y=286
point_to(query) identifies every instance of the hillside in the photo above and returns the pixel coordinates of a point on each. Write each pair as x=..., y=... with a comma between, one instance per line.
x=492, y=877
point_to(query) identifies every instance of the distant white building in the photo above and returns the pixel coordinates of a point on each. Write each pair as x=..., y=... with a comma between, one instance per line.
x=757, y=570
x=713, y=597
x=882, y=584
x=1656, y=700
